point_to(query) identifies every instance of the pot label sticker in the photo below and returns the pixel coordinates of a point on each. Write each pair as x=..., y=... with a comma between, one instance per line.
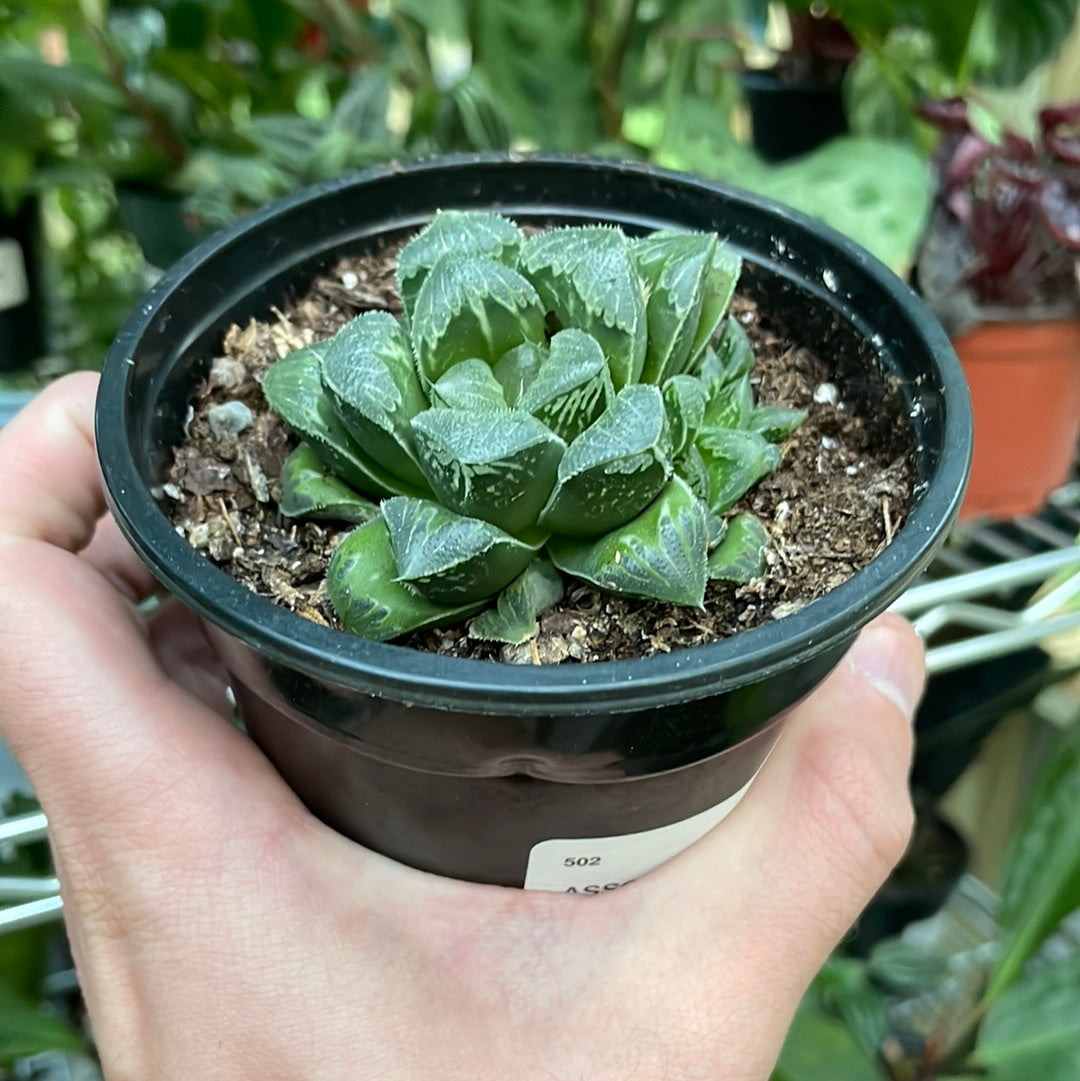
x=14, y=285
x=599, y=864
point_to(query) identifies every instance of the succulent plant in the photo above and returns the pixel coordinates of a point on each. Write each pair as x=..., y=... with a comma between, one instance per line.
x=569, y=404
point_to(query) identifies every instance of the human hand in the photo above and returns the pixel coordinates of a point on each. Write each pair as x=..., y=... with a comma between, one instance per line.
x=222, y=932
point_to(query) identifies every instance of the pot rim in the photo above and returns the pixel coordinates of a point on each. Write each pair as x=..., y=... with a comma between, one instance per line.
x=415, y=677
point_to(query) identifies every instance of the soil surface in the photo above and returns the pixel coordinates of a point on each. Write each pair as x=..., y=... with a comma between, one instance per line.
x=835, y=502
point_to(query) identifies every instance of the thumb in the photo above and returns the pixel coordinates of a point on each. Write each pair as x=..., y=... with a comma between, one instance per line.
x=827, y=818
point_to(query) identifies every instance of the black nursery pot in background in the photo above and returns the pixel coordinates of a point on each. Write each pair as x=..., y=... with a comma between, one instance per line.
x=788, y=119
x=560, y=777
x=22, y=302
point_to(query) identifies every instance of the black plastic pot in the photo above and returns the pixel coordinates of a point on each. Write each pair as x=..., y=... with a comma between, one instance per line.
x=789, y=119
x=22, y=303
x=464, y=767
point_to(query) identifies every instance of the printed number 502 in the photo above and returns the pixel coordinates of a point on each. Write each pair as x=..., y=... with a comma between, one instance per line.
x=581, y=861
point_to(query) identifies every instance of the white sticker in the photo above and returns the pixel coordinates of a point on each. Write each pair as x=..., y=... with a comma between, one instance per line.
x=14, y=284
x=600, y=864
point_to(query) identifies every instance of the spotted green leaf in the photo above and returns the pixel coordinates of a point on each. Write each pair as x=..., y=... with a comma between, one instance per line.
x=498, y=466
x=514, y=618
x=457, y=233
x=293, y=387
x=614, y=469
x=740, y=555
x=451, y=558
x=718, y=289
x=776, y=422
x=587, y=278
x=690, y=465
x=310, y=490
x=658, y=555
x=734, y=351
x=367, y=369
x=361, y=582
x=731, y=406
x=469, y=385
x=735, y=461
x=685, y=398
x=472, y=307
x=572, y=388
x=517, y=368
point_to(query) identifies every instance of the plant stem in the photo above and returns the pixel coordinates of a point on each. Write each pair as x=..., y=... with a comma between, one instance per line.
x=607, y=68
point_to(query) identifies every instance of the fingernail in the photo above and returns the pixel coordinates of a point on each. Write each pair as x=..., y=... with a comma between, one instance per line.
x=884, y=658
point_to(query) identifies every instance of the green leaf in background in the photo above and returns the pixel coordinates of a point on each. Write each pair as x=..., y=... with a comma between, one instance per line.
x=740, y=555
x=1042, y=870
x=656, y=555
x=310, y=490
x=904, y=967
x=450, y=558
x=1021, y=35
x=1032, y=1032
x=821, y=1048
x=360, y=582
x=513, y=619
x=27, y=1030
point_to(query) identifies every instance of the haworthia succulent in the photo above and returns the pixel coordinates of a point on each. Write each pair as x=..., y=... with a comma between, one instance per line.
x=310, y=490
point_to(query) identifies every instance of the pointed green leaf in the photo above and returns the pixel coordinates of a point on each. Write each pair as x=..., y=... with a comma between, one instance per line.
x=740, y=556
x=684, y=399
x=367, y=368
x=660, y=554
x=710, y=370
x=614, y=469
x=458, y=233
x=513, y=620
x=690, y=465
x=498, y=466
x=775, y=422
x=735, y=462
x=517, y=368
x=587, y=277
x=732, y=406
x=361, y=582
x=718, y=526
x=293, y=387
x=1033, y=1030
x=449, y=558
x=310, y=490
x=572, y=388
x=718, y=289
x=472, y=307
x=673, y=266
x=471, y=385
x=734, y=351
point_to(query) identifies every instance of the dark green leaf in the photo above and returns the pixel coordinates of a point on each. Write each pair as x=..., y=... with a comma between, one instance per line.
x=904, y=967
x=361, y=582
x=1032, y=1032
x=469, y=385
x=1042, y=871
x=1023, y=35
x=449, y=558
x=587, y=277
x=660, y=554
x=734, y=351
x=513, y=620
x=776, y=422
x=454, y=232
x=690, y=465
x=362, y=108
x=684, y=399
x=740, y=556
x=472, y=307
x=25, y=1029
x=572, y=388
x=367, y=369
x=310, y=490
x=517, y=368
x=735, y=461
x=293, y=387
x=821, y=1048
x=731, y=406
x=614, y=469
x=718, y=288
x=499, y=466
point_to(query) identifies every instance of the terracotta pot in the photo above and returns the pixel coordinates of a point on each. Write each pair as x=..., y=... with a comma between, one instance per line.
x=1025, y=392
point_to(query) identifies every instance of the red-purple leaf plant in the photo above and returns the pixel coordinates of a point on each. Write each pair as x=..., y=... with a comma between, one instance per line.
x=1004, y=234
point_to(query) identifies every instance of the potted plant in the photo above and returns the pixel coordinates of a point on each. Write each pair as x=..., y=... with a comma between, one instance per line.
x=530, y=774
x=998, y=266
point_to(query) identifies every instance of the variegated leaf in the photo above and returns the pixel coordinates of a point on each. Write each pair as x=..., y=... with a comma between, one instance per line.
x=453, y=232
x=690, y=465
x=735, y=462
x=572, y=388
x=660, y=554
x=718, y=289
x=472, y=307
x=470, y=385
x=309, y=489
x=740, y=556
x=731, y=406
x=450, y=558
x=776, y=422
x=684, y=399
x=513, y=619
x=587, y=278
x=517, y=368
x=615, y=468
x=293, y=387
x=673, y=266
x=499, y=466
x=367, y=598
x=367, y=369
x=734, y=351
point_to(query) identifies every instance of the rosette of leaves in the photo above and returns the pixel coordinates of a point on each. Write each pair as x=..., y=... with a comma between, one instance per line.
x=572, y=405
